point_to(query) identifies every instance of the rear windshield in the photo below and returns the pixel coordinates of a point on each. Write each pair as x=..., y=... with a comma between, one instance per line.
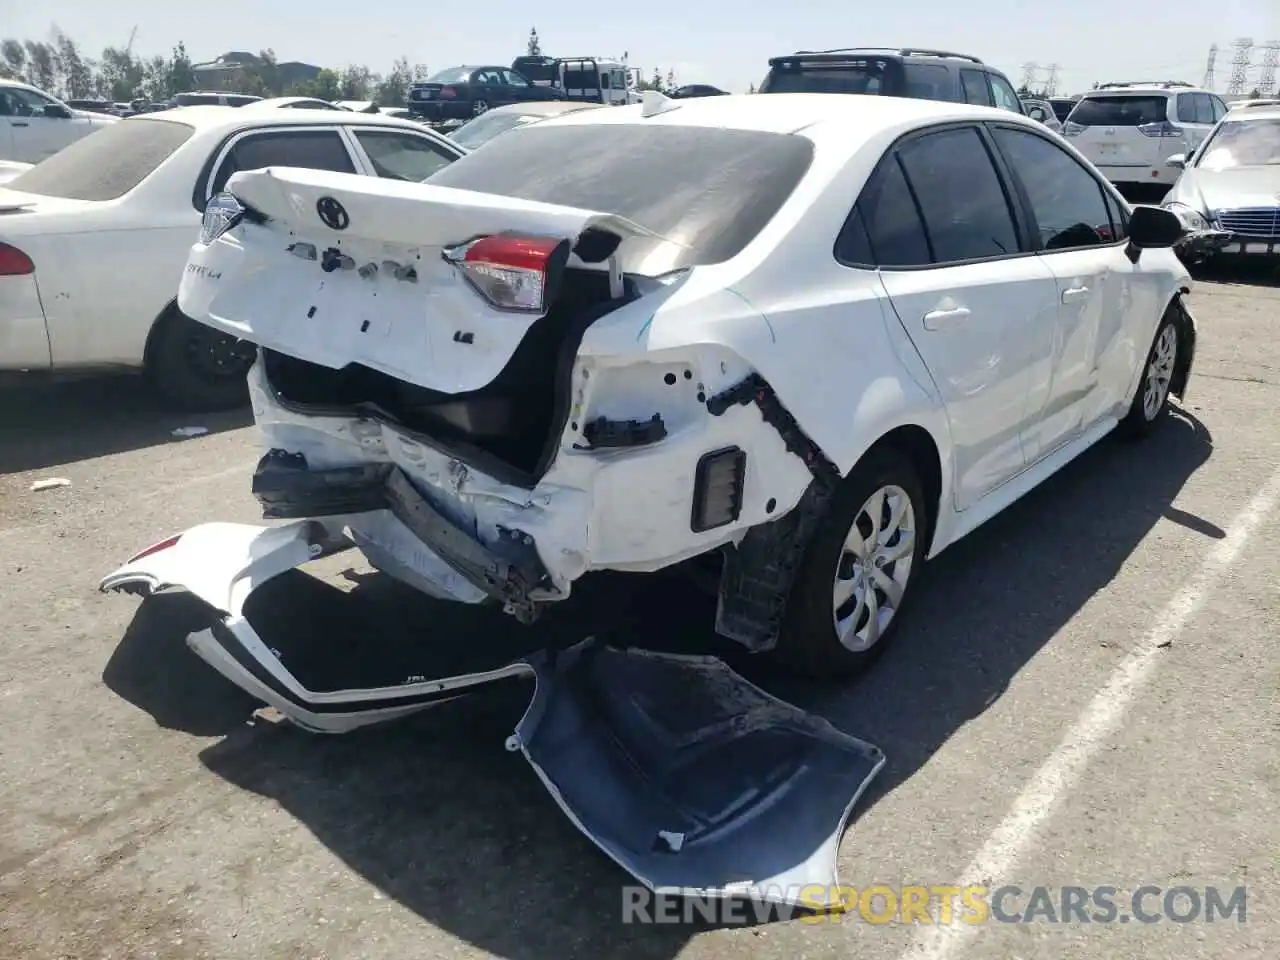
x=452, y=75
x=727, y=185
x=487, y=126
x=108, y=163
x=1132, y=110
x=853, y=76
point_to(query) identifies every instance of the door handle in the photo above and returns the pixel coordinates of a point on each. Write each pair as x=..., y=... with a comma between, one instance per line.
x=936, y=318
x=19, y=123
x=1074, y=293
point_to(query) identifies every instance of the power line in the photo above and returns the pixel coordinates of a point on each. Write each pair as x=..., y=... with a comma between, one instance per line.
x=1240, y=66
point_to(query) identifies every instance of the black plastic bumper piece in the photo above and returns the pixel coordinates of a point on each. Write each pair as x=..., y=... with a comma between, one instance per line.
x=508, y=570
x=603, y=432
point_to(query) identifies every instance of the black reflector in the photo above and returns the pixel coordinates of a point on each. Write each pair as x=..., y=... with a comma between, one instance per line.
x=717, y=488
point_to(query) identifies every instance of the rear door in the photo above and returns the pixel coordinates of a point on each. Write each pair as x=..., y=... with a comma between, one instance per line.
x=1122, y=130
x=1074, y=231
x=1006, y=98
x=973, y=85
x=488, y=86
x=942, y=227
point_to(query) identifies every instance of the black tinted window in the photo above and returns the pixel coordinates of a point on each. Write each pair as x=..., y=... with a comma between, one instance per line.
x=726, y=186
x=974, y=83
x=886, y=219
x=1120, y=111
x=106, y=164
x=851, y=76
x=313, y=149
x=1065, y=198
x=928, y=81
x=962, y=202
x=1119, y=217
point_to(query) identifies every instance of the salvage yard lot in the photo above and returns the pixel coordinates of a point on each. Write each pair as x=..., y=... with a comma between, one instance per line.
x=142, y=814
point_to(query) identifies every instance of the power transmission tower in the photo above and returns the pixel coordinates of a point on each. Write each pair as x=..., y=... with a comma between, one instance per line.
x=1051, y=85
x=1030, y=73
x=1270, y=60
x=1208, y=67
x=1239, y=66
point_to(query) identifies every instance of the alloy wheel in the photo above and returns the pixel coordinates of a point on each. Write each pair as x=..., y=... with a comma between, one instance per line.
x=874, y=568
x=479, y=107
x=1160, y=372
x=215, y=356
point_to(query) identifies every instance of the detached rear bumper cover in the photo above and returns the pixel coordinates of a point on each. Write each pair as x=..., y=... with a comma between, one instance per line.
x=685, y=774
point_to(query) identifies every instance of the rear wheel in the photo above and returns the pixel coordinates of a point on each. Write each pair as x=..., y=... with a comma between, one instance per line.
x=479, y=107
x=858, y=571
x=1152, y=398
x=196, y=367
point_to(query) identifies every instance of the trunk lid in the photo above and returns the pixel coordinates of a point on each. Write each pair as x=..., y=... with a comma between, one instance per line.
x=393, y=302
x=426, y=91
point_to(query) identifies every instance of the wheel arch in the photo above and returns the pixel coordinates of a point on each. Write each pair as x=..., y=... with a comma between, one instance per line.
x=169, y=311
x=920, y=448
x=1186, y=342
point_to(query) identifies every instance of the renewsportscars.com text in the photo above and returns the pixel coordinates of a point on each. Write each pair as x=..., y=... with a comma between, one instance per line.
x=944, y=904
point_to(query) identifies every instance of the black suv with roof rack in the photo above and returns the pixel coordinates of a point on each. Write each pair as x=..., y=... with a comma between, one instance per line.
x=892, y=72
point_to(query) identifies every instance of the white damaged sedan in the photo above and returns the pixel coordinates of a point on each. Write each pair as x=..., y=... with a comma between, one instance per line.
x=817, y=337
x=828, y=336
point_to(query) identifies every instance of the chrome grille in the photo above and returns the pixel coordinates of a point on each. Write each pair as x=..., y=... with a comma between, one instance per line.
x=1261, y=222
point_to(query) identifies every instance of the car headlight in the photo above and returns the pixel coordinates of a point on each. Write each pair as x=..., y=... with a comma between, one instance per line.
x=1191, y=218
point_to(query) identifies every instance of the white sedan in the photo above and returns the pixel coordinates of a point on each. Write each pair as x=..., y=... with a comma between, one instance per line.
x=95, y=238
x=35, y=125
x=834, y=338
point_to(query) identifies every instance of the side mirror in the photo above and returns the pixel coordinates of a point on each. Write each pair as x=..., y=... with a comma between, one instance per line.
x=1153, y=228
x=57, y=111
x=1178, y=161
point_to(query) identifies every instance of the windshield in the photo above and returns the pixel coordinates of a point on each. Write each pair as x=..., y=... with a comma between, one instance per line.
x=726, y=187
x=1120, y=111
x=452, y=75
x=487, y=126
x=108, y=163
x=1242, y=143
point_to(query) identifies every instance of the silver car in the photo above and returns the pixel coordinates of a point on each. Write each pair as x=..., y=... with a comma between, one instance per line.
x=1042, y=110
x=1228, y=194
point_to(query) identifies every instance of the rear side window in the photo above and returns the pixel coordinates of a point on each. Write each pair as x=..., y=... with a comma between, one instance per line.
x=1133, y=110
x=1195, y=108
x=402, y=156
x=726, y=187
x=974, y=84
x=885, y=228
x=962, y=201
x=928, y=81
x=108, y=163
x=312, y=149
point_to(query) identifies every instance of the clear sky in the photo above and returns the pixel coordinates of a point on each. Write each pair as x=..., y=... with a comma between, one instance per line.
x=724, y=42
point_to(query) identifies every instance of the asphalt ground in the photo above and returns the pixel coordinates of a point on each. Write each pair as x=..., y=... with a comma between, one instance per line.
x=1086, y=695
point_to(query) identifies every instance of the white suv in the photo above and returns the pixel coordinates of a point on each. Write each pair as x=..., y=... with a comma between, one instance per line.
x=1129, y=129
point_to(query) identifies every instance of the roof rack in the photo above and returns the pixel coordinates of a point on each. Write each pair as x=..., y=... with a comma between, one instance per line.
x=1166, y=84
x=900, y=51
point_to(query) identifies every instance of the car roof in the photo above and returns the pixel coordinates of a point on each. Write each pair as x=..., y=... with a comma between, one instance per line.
x=832, y=114
x=211, y=117
x=547, y=108
x=1253, y=113
x=1140, y=89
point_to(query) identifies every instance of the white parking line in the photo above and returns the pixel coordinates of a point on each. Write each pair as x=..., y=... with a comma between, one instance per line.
x=1099, y=720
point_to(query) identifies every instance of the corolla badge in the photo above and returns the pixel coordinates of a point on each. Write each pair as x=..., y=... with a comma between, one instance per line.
x=333, y=214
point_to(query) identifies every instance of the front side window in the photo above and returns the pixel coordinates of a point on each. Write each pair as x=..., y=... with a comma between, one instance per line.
x=1067, y=201
x=402, y=156
x=962, y=202
x=108, y=164
x=16, y=102
x=1004, y=94
x=514, y=79
x=311, y=149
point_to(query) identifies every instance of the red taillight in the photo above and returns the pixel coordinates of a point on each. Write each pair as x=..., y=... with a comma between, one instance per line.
x=14, y=263
x=156, y=548
x=508, y=270
x=1161, y=129
x=447, y=93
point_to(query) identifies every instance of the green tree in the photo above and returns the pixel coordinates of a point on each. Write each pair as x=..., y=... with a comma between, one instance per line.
x=535, y=48
x=13, y=58
x=77, y=72
x=326, y=85
x=392, y=88
x=420, y=72
x=357, y=83
x=181, y=77
x=120, y=74
x=42, y=65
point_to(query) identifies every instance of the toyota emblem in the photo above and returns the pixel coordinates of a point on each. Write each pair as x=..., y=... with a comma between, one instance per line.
x=333, y=214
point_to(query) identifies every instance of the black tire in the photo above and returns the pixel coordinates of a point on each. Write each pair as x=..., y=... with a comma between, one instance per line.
x=1157, y=373
x=196, y=367
x=808, y=642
